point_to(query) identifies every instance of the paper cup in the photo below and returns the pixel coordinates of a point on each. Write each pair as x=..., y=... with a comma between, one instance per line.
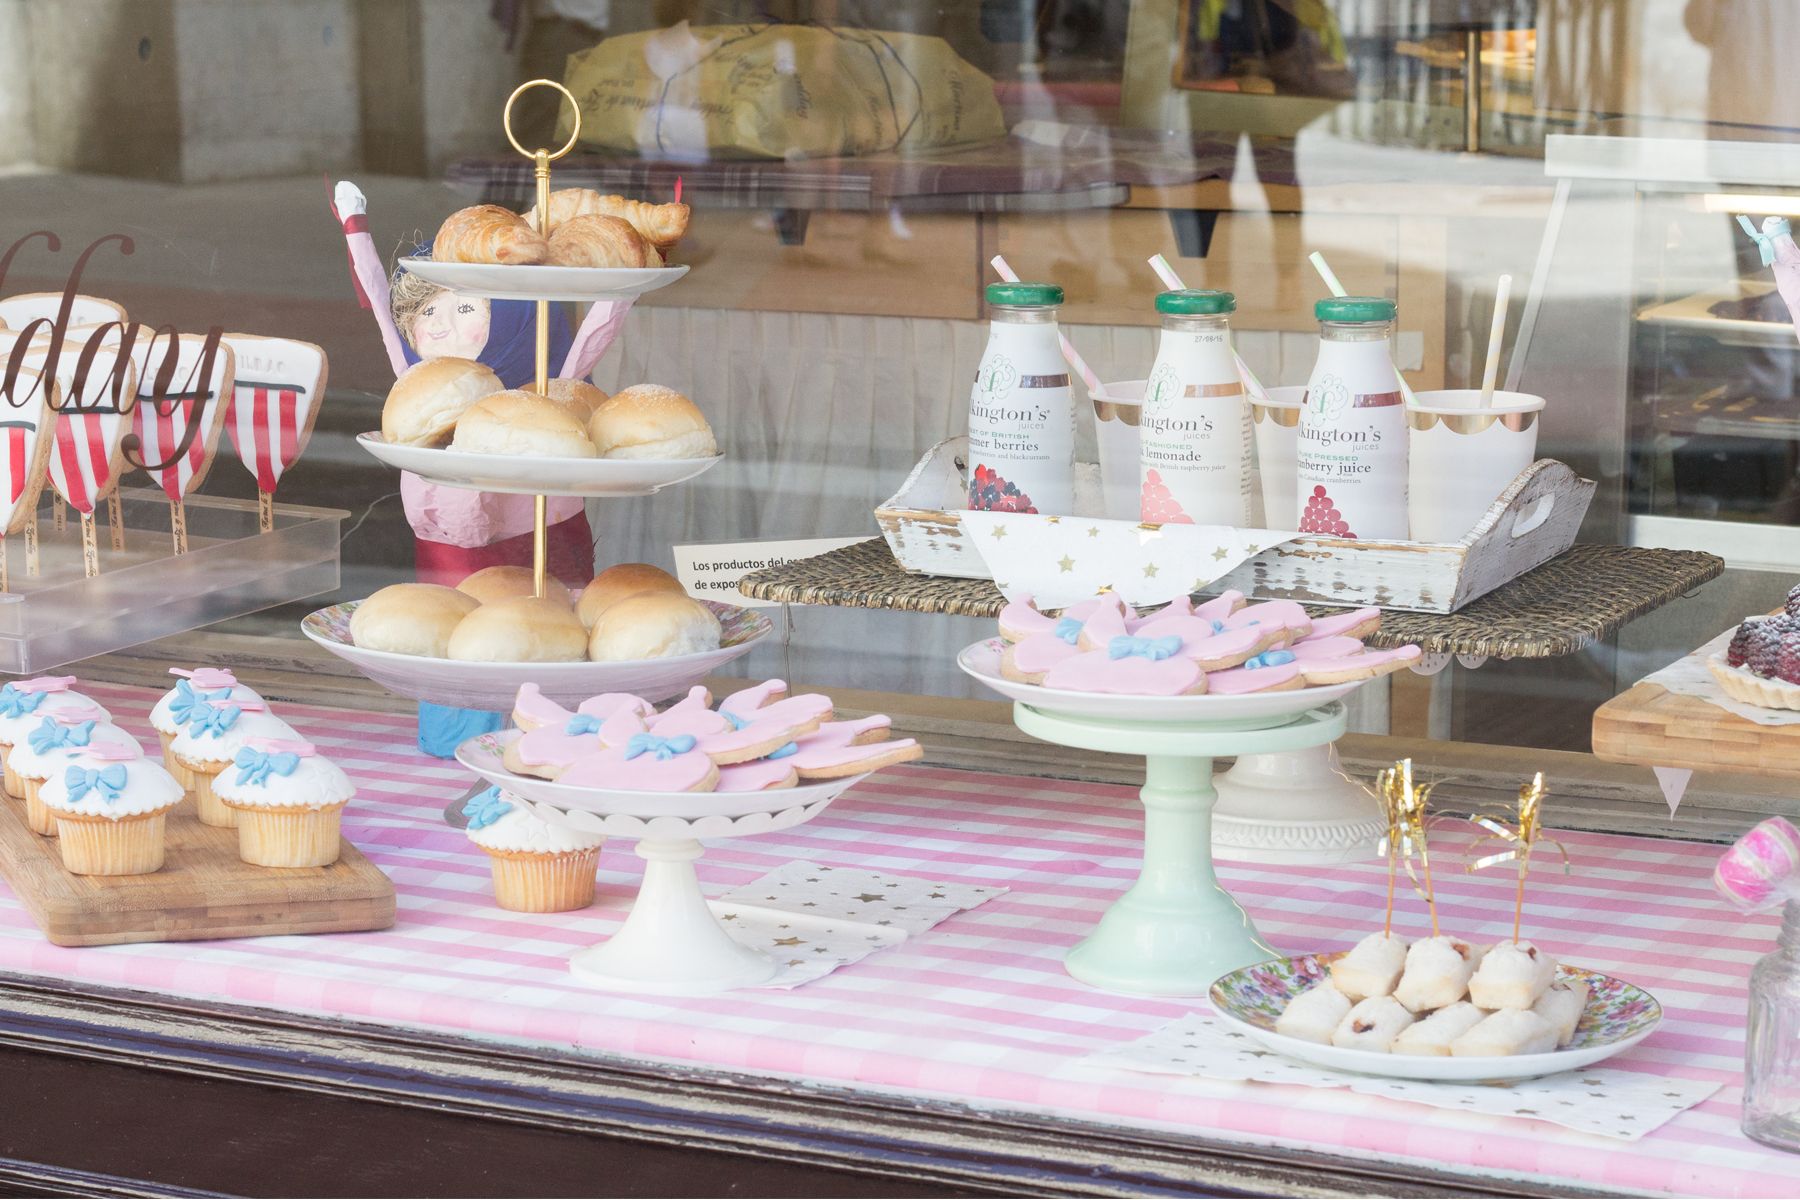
x=1462, y=456
x=1116, y=410
x=1277, y=424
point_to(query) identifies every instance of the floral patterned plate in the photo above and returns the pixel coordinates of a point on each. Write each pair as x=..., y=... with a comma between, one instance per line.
x=1619, y=1015
x=492, y=686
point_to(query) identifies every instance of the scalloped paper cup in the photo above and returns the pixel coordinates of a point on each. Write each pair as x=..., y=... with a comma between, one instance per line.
x=103, y=846
x=544, y=883
x=288, y=837
x=1747, y=687
x=1276, y=422
x=1116, y=410
x=1461, y=456
x=212, y=810
x=38, y=815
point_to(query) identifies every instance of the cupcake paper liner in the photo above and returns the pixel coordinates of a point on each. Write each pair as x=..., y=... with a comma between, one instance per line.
x=544, y=883
x=289, y=837
x=38, y=815
x=101, y=846
x=212, y=810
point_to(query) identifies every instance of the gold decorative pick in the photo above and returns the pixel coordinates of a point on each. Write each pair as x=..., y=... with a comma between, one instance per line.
x=1404, y=802
x=1521, y=839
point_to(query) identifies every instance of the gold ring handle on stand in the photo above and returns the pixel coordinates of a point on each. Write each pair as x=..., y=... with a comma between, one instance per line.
x=541, y=159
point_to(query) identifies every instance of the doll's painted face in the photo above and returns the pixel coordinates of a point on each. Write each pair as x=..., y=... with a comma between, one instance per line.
x=451, y=326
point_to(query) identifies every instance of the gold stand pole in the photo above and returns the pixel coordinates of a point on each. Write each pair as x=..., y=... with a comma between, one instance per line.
x=540, y=160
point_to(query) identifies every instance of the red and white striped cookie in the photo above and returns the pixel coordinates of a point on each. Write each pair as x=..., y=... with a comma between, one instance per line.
x=183, y=397
x=275, y=401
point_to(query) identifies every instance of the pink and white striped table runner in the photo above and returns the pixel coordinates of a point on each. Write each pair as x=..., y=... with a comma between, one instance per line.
x=979, y=1008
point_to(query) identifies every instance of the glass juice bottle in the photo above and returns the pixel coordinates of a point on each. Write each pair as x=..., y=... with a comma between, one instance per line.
x=1021, y=412
x=1772, y=1041
x=1351, y=461
x=1194, y=430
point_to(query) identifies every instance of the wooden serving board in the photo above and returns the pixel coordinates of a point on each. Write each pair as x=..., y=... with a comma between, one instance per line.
x=1652, y=726
x=204, y=889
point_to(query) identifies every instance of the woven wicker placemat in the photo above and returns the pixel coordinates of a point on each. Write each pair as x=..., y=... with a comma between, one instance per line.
x=1579, y=597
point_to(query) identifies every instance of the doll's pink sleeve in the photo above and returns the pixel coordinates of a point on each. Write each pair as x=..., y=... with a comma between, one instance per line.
x=459, y=517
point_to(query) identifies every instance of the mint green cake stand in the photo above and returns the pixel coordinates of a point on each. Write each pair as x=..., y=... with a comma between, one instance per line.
x=1176, y=930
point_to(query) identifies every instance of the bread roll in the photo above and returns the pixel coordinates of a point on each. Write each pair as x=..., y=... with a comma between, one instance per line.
x=599, y=242
x=516, y=422
x=424, y=403
x=619, y=581
x=649, y=421
x=503, y=583
x=410, y=618
x=661, y=225
x=488, y=233
x=522, y=629
x=653, y=625
x=578, y=397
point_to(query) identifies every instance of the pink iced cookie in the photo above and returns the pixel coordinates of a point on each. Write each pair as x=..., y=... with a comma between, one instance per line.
x=1321, y=669
x=759, y=775
x=849, y=748
x=1207, y=641
x=646, y=763
x=725, y=738
x=1762, y=869
x=1021, y=619
x=548, y=750
x=1220, y=606
x=697, y=700
x=1275, y=677
x=1279, y=614
x=770, y=702
x=1131, y=667
x=533, y=710
x=1026, y=661
x=1356, y=623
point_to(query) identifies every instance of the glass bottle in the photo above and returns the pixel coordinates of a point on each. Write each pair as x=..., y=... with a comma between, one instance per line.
x=1021, y=411
x=1772, y=1041
x=1194, y=431
x=1351, y=461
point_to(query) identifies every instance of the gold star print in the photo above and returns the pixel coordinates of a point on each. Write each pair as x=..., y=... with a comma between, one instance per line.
x=871, y=897
x=999, y=532
x=1093, y=531
x=789, y=941
x=1053, y=520
x=1221, y=554
x=1148, y=533
x=1066, y=563
x=1150, y=571
x=1197, y=585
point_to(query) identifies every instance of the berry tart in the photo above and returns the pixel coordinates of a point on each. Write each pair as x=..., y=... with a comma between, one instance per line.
x=1761, y=666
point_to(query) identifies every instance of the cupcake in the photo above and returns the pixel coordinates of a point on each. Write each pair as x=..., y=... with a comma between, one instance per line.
x=110, y=806
x=288, y=799
x=59, y=738
x=202, y=684
x=23, y=704
x=209, y=742
x=538, y=867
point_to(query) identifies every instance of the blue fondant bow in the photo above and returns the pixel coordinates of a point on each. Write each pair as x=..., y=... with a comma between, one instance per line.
x=49, y=735
x=213, y=718
x=732, y=719
x=1269, y=658
x=1154, y=649
x=789, y=749
x=1068, y=629
x=661, y=747
x=255, y=766
x=188, y=701
x=14, y=703
x=580, y=723
x=484, y=808
x=108, y=781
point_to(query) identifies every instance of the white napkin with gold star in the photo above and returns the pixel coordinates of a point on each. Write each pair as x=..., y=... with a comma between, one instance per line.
x=1603, y=1100
x=813, y=919
x=1060, y=560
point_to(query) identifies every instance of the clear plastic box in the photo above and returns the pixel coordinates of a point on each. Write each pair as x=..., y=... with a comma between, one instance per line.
x=147, y=591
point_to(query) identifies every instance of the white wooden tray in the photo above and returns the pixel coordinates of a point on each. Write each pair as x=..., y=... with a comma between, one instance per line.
x=1535, y=519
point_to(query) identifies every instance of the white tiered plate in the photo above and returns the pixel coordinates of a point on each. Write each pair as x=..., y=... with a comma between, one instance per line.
x=982, y=661
x=522, y=475
x=493, y=686
x=497, y=281
x=1618, y=1016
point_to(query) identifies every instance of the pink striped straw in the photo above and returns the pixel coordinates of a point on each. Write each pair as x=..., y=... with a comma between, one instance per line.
x=1070, y=355
x=1170, y=279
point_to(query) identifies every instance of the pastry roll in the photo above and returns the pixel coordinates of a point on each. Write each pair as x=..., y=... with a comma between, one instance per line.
x=1562, y=1006
x=1437, y=973
x=1509, y=1031
x=1433, y=1036
x=1314, y=1014
x=1512, y=975
x=488, y=233
x=662, y=225
x=594, y=241
x=1372, y=968
x=1372, y=1025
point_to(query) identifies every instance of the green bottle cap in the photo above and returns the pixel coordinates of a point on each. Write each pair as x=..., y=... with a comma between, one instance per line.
x=1355, y=308
x=1196, y=302
x=1024, y=295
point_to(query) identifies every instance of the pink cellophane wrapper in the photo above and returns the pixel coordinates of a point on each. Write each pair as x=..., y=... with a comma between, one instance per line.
x=1762, y=869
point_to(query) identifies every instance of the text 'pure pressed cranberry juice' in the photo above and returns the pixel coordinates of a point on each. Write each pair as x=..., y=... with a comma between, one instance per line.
x=1021, y=414
x=1351, y=460
x=1194, y=429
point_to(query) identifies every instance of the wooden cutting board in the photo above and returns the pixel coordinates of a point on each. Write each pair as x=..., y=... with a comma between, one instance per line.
x=203, y=890
x=1655, y=727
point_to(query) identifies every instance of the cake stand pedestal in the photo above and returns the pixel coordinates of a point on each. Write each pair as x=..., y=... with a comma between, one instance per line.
x=1176, y=929
x=1296, y=807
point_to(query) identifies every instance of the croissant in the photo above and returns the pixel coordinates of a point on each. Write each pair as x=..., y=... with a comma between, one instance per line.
x=662, y=225
x=591, y=241
x=488, y=233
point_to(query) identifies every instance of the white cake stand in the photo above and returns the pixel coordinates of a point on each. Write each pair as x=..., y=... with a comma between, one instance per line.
x=670, y=943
